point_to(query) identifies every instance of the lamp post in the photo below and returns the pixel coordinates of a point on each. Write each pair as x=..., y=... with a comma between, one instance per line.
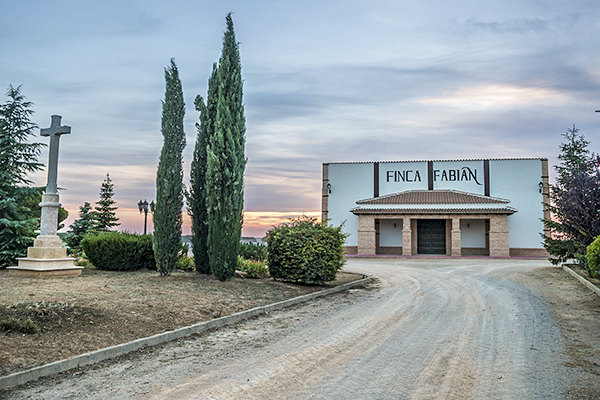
x=143, y=207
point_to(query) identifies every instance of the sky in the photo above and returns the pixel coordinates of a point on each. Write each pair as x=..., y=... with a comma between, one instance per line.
x=324, y=81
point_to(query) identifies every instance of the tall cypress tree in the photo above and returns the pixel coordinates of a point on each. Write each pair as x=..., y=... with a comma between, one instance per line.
x=18, y=158
x=104, y=217
x=226, y=162
x=169, y=178
x=198, y=190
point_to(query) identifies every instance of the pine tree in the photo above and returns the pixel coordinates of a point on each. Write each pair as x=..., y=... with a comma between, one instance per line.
x=574, y=200
x=169, y=177
x=197, y=199
x=18, y=158
x=226, y=162
x=105, y=217
x=80, y=227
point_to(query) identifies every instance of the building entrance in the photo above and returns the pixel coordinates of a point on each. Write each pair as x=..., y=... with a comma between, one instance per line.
x=431, y=236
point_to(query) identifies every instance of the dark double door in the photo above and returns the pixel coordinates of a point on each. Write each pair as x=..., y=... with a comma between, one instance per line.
x=431, y=236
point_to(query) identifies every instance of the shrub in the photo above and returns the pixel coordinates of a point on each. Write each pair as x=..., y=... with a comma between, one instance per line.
x=254, y=269
x=305, y=251
x=115, y=251
x=185, y=263
x=250, y=251
x=19, y=325
x=593, y=258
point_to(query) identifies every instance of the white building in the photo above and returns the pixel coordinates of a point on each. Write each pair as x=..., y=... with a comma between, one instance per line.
x=454, y=207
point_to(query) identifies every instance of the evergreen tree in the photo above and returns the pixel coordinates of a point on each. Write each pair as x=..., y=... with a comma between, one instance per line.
x=197, y=199
x=226, y=162
x=105, y=217
x=80, y=227
x=169, y=177
x=574, y=200
x=18, y=158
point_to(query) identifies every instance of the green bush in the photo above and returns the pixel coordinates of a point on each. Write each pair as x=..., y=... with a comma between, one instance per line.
x=593, y=258
x=115, y=251
x=19, y=325
x=305, y=251
x=254, y=269
x=185, y=263
x=250, y=251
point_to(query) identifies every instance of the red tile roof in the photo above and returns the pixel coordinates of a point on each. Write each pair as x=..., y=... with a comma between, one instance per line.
x=433, y=197
x=501, y=210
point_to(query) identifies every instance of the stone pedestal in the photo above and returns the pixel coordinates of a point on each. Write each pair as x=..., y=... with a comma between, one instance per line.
x=47, y=258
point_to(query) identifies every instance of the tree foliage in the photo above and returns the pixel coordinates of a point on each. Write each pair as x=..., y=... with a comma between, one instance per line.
x=197, y=198
x=18, y=158
x=226, y=162
x=104, y=215
x=305, y=251
x=574, y=200
x=169, y=177
x=80, y=227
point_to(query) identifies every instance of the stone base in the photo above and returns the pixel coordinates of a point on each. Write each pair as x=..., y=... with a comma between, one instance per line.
x=43, y=273
x=47, y=258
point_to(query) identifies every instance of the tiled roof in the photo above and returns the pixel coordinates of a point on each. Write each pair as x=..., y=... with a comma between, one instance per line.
x=501, y=210
x=433, y=197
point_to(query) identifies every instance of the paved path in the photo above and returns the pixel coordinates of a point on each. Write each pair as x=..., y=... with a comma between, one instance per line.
x=429, y=329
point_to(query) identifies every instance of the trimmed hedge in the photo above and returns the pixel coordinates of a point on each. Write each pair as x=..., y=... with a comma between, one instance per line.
x=115, y=251
x=305, y=251
x=255, y=252
x=593, y=258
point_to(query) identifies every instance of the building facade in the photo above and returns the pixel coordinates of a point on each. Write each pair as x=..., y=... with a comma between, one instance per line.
x=454, y=207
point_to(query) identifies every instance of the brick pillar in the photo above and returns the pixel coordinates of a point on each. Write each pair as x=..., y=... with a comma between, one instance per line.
x=406, y=237
x=366, y=235
x=455, y=233
x=499, y=236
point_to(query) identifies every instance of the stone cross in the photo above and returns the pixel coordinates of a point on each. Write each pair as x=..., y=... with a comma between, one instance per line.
x=54, y=132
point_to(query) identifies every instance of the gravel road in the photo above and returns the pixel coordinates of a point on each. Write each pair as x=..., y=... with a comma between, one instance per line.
x=427, y=329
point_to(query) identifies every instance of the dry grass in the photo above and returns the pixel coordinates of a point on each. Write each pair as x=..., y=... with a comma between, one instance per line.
x=101, y=308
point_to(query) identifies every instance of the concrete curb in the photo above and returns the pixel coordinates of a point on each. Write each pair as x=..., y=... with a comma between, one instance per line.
x=581, y=279
x=19, y=378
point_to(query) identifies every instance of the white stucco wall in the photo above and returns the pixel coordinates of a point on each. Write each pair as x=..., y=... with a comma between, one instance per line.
x=466, y=176
x=518, y=181
x=472, y=233
x=349, y=183
x=400, y=176
x=390, y=235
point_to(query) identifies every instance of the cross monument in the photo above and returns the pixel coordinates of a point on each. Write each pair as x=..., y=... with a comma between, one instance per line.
x=48, y=257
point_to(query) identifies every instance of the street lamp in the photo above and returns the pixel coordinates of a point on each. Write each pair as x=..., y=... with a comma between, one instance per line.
x=143, y=207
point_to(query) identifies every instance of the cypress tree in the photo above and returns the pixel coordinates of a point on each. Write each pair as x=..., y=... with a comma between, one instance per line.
x=18, y=157
x=104, y=217
x=226, y=162
x=198, y=191
x=169, y=177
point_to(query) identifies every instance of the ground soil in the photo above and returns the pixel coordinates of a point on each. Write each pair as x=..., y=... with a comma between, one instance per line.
x=76, y=315
x=454, y=329
x=577, y=310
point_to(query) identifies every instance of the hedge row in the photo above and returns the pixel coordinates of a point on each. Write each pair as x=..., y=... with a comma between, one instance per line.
x=116, y=251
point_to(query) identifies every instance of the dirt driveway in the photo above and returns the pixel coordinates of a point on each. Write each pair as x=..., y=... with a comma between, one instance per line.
x=428, y=329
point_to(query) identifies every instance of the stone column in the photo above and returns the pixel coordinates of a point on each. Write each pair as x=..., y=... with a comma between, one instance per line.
x=455, y=237
x=48, y=257
x=499, y=246
x=406, y=237
x=366, y=235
